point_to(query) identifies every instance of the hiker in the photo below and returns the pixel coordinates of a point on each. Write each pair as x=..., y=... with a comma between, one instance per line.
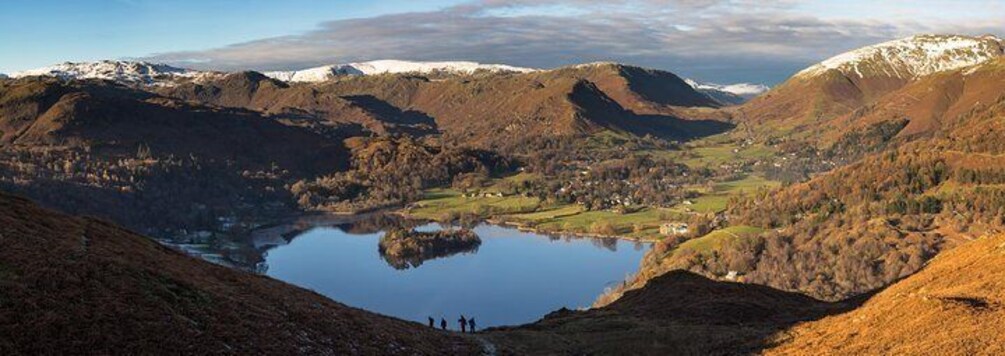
x=471, y=324
x=432, y=323
x=464, y=323
x=443, y=323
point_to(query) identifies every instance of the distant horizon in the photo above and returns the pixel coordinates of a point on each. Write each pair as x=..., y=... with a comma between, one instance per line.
x=716, y=41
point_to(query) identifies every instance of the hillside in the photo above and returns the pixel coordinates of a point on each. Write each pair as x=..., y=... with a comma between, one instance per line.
x=951, y=307
x=867, y=224
x=72, y=283
x=933, y=103
x=154, y=164
x=678, y=313
x=811, y=99
x=45, y=112
x=483, y=110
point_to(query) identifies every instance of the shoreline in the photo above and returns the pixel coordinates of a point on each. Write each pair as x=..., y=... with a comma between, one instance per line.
x=499, y=221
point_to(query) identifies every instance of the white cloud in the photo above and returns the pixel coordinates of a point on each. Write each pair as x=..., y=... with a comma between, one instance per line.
x=717, y=40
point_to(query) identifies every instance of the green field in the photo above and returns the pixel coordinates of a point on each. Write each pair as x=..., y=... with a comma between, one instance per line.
x=443, y=204
x=716, y=199
x=641, y=224
x=716, y=150
x=716, y=239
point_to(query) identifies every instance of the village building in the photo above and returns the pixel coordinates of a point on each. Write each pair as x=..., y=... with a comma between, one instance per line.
x=673, y=228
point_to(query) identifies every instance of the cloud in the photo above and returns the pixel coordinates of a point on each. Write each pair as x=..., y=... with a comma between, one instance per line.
x=716, y=40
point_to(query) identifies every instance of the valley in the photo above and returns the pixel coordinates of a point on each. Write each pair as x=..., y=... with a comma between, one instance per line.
x=677, y=217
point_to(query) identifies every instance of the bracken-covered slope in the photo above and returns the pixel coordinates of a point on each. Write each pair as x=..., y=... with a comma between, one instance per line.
x=933, y=103
x=38, y=112
x=811, y=99
x=483, y=109
x=874, y=221
x=954, y=306
x=78, y=285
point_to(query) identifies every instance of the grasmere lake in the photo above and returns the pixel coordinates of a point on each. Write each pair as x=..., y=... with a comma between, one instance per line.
x=513, y=277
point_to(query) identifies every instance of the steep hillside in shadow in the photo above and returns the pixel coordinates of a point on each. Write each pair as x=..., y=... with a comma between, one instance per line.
x=678, y=313
x=69, y=284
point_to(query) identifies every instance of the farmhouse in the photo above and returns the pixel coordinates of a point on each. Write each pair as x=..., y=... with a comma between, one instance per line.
x=673, y=228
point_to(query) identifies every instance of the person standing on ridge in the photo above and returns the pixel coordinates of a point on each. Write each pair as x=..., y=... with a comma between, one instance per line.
x=443, y=323
x=464, y=324
x=471, y=325
x=432, y=323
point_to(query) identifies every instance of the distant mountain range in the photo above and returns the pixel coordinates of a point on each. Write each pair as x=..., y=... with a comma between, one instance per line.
x=731, y=94
x=156, y=74
x=328, y=72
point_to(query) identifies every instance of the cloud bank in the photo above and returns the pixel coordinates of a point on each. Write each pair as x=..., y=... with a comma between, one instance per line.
x=713, y=40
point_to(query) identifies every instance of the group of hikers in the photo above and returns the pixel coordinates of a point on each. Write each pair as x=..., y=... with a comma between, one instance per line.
x=467, y=325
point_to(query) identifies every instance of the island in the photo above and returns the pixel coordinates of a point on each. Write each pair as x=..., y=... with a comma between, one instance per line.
x=408, y=248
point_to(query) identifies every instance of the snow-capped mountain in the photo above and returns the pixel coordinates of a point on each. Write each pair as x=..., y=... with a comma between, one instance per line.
x=128, y=72
x=912, y=57
x=323, y=73
x=729, y=94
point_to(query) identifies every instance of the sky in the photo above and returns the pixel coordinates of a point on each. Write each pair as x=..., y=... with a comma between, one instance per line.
x=722, y=41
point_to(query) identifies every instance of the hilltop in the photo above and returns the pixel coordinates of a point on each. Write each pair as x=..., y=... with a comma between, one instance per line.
x=808, y=102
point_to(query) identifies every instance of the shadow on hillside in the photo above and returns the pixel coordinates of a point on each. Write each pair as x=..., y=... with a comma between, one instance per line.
x=412, y=122
x=678, y=313
x=669, y=127
x=604, y=111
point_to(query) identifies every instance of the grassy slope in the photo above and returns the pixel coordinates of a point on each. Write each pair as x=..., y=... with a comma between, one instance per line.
x=954, y=306
x=715, y=239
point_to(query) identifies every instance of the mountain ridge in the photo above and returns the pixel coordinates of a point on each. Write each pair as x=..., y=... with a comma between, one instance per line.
x=810, y=100
x=160, y=74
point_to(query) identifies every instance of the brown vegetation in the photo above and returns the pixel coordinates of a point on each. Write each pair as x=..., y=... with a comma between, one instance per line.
x=72, y=285
x=954, y=306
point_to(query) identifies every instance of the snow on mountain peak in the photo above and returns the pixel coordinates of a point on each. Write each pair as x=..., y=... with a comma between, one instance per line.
x=323, y=73
x=729, y=94
x=741, y=89
x=129, y=72
x=913, y=57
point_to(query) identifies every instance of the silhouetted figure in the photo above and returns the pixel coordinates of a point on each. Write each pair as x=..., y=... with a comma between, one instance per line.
x=432, y=323
x=443, y=323
x=464, y=324
x=471, y=324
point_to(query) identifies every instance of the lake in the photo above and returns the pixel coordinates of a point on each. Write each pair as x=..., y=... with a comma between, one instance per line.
x=513, y=277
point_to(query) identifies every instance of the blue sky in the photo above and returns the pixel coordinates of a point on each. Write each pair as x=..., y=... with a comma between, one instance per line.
x=715, y=40
x=35, y=33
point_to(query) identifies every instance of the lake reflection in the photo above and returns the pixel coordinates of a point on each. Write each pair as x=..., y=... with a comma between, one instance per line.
x=514, y=277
